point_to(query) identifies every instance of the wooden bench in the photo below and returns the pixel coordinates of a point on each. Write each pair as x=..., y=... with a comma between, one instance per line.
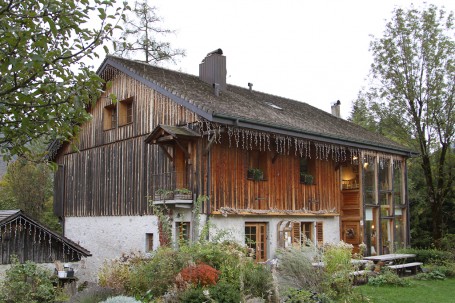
x=401, y=268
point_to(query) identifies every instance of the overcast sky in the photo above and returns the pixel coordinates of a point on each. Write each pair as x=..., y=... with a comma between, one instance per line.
x=312, y=51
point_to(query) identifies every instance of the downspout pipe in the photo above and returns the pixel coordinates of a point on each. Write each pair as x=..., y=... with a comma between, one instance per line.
x=209, y=176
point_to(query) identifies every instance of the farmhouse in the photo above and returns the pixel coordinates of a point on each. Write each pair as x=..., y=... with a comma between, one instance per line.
x=270, y=171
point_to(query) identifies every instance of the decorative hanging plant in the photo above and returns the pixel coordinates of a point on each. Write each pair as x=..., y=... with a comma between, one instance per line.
x=306, y=179
x=255, y=173
x=350, y=233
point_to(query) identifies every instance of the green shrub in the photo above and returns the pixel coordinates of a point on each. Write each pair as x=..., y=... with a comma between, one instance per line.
x=338, y=268
x=257, y=281
x=193, y=295
x=388, y=277
x=432, y=275
x=227, y=257
x=225, y=292
x=299, y=296
x=121, y=299
x=27, y=283
x=447, y=268
x=448, y=243
x=93, y=294
x=297, y=272
x=157, y=274
x=115, y=273
x=429, y=256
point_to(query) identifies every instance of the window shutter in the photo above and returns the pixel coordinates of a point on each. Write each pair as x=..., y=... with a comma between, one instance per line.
x=319, y=233
x=296, y=233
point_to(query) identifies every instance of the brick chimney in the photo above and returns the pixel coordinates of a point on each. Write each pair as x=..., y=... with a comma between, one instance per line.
x=212, y=70
x=336, y=109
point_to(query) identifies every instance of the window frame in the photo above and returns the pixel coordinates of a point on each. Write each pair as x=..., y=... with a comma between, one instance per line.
x=183, y=231
x=149, y=239
x=110, y=119
x=257, y=160
x=307, y=166
x=125, y=110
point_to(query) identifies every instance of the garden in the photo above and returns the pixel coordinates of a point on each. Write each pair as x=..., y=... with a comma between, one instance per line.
x=223, y=271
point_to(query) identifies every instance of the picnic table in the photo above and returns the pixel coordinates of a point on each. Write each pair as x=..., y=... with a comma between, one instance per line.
x=396, y=262
x=390, y=258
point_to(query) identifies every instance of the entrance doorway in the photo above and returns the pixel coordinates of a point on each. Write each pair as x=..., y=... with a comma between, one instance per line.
x=351, y=234
x=256, y=239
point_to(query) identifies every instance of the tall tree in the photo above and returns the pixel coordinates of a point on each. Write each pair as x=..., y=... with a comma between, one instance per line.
x=28, y=185
x=412, y=92
x=140, y=36
x=44, y=83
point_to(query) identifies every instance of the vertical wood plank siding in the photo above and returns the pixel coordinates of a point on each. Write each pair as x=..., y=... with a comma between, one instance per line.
x=113, y=170
x=30, y=243
x=281, y=190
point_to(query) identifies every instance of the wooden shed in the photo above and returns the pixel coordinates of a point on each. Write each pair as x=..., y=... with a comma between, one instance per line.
x=29, y=240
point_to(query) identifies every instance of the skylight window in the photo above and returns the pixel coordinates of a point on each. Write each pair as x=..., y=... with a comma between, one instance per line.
x=273, y=105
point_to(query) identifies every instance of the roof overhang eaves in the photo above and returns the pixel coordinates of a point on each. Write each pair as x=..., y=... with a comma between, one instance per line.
x=179, y=100
x=240, y=122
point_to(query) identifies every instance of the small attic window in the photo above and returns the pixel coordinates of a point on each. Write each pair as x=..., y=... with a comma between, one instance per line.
x=273, y=105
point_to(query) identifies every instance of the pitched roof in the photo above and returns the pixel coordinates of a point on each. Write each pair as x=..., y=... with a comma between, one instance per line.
x=174, y=131
x=10, y=216
x=251, y=109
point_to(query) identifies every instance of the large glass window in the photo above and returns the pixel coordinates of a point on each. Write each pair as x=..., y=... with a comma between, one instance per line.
x=400, y=232
x=385, y=204
x=386, y=235
x=369, y=181
x=385, y=188
x=371, y=235
x=398, y=197
x=350, y=176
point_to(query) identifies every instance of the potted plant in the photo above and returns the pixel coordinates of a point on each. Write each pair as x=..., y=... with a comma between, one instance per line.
x=183, y=194
x=163, y=194
x=255, y=174
x=60, y=269
x=306, y=179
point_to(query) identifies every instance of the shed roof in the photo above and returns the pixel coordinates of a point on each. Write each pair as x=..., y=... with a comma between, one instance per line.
x=251, y=109
x=11, y=216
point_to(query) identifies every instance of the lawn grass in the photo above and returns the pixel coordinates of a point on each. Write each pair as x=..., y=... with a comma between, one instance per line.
x=434, y=291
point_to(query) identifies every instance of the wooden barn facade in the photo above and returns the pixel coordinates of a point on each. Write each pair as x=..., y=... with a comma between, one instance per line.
x=28, y=240
x=276, y=172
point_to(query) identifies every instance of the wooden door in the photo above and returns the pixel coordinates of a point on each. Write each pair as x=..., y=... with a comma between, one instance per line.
x=256, y=238
x=351, y=234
